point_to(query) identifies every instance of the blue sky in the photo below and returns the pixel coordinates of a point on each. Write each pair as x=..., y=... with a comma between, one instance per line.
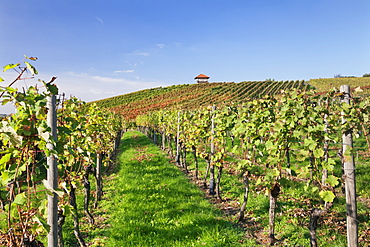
x=99, y=49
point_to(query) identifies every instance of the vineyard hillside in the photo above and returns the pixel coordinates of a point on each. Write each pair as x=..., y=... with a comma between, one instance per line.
x=191, y=96
x=326, y=84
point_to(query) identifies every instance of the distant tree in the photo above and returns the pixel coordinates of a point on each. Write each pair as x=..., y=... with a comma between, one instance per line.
x=338, y=76
x=366, y=75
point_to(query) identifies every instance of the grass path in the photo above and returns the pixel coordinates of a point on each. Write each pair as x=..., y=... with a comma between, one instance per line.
x=150, y=202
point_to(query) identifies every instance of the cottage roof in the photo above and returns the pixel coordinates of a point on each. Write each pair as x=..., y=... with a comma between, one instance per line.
x=202, y=76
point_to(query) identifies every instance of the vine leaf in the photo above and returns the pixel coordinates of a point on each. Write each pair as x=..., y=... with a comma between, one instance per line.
x=5, y=178
x=10, y=66
x=31, y=58
x=318, y=153
x=50, y=190
x=332, y=180
x=67, y=209
x=52, y=88
x=20, y=199
x=5, y=160
x=42, y=223
x=327, y=196
x=13, y=137
x=31, y=68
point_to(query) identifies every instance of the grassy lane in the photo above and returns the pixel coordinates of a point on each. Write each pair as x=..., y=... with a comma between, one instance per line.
x=151, y=203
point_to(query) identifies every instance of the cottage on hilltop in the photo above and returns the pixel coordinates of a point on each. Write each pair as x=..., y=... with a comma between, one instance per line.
x=202, y=78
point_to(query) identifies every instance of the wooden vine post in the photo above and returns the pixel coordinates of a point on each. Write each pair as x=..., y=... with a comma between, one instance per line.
x=349, y=177
x=52, y=176
x=212, y=166
x=98, y=178
x=178, y=162
x=326, y=152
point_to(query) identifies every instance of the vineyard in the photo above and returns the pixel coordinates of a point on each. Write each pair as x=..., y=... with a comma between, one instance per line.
x=285, y=163
x=300, y=139
x=191, y=96
x=37, y=193
x=325, y=85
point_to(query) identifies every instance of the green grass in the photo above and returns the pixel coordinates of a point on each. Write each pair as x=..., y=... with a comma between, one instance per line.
x=148, y=201
x=294, y=206
x=151, y=203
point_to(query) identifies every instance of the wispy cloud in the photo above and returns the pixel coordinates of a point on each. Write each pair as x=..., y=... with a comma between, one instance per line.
x=125, y=71
x=100, y=20
x=145, y=54
x=161, y=46
x=94, y=87
x=107, y=79
x=95, y=78
x=89, y=87
x=153, y=50
x=97, y=91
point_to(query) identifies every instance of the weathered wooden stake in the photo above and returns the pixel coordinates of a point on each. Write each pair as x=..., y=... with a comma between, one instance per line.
x=52, y=175
x=178, y=162
x=245, y=196
x=163, y=140
x=98, y=178
x=155, y=136
x=326, y=152
x=212, y=167
x=349, y=177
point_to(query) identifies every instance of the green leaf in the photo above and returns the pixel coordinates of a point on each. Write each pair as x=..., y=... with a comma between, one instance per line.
x=304, y=153
x=43, y=207
x=4, y=160
x=345, y=106
x=52, y=88
x=5, y=101
x=327, y=196
x=20, y=199
x=303, y=172
x=5, y=178
x=50, y=190
x=311, y=144
x=314, y=189
x=284, y=182
x=11, y=90
x=1, y=79
x=318, y=153
x=269, y=144
x=332, y=180
x=67, y=209
x=42, y=223
x=11, y=135
x=10, y=66
x=244, y=163
x=235, y=149
x=31, y=68
x=329, y=165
